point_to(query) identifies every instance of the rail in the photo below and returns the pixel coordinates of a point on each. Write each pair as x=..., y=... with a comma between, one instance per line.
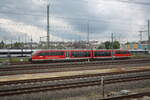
x=10, y=92
x=124, y=97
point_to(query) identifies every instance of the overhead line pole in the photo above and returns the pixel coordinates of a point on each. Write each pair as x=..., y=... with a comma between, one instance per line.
x=48, y=26
x=31, y=44
x=88, y=38
x=141, y=36
x=112, y=38
x=148, y=38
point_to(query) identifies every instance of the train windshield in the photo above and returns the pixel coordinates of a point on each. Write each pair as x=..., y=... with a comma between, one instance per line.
x=34, y=53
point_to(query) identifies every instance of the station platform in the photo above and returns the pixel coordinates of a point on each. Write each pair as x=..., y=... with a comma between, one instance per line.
x=71, y=73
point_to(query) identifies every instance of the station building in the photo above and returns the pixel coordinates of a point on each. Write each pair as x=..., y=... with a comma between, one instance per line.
x=143, y=45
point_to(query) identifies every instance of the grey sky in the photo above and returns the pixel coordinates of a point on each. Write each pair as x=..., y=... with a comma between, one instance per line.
x=69, y=19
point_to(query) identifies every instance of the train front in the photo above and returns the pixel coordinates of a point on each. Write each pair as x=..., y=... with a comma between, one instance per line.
x=33, y=56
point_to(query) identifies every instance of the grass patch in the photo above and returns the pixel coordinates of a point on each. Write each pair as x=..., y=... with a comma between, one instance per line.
x=141, y=56
x=3, y=60
x=14, y=59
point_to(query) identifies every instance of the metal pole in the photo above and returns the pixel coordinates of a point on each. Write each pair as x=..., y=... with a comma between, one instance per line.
x=102, y=86
x=141, y=36
x=48, y=26
x=148, y=38
x=88, y=38
x=11, y=45
x=9, y=55
x=31, y=44
x=40, y=40
x=112, y=37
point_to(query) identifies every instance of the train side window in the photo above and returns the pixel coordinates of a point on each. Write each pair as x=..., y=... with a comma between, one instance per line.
x=118, y=52
x=81, y=54
x=42, y=54
x=107, y=54
x=102, y=53
x=75, y=54
x=60, y=53
x=99, y=53
x=86, y=54
x=55, y=53
x=129, y=52
x=3, y=52
x=124, y=52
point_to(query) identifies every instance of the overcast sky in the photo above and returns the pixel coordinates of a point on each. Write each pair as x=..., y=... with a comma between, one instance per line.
x=70, y=19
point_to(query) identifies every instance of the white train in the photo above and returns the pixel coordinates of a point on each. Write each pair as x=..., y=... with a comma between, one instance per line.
x=139, y=51
x=16, y=52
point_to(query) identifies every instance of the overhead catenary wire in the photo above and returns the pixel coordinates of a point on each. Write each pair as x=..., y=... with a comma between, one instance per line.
x=44, y=15
x=132, y=2
x=122, y=1
x=69, y=18
x=85, y=1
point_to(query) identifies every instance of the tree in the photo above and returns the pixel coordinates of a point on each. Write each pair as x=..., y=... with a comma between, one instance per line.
x=101, y=46
x=116, y=45
x=107, y=45
x=17, y=45
x=2, y=44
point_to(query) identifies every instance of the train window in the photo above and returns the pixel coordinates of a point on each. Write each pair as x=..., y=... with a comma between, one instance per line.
x=3, y=52
x=55, y=53
x=102, y=53
x=122, y=52
x=118, y=52
x=42, y=54
x=99, y=53
x=128, y=52
x=107, y=53
x=80, y=54
x=34, y=53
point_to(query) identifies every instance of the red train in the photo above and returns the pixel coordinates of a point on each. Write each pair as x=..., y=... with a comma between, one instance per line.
x=50, y=55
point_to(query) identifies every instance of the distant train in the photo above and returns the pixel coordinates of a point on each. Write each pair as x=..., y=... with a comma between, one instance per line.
x=50, y=55
x=139, y=51
x=15, y=53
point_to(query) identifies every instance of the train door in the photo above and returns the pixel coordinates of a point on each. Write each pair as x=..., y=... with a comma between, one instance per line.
x=113, y=53
x=67, y=54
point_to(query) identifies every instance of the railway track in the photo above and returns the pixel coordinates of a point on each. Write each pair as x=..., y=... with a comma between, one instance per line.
x=125, y=97
x=68, y=65
x=10, y=92
x=22, y=64
x=64, y=61
x=70, y=77
x=61, y=67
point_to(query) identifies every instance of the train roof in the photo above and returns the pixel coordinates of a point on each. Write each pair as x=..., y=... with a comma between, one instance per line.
x=17, y=50
x=138, y=50
x=78, y=50
x=34, y=50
